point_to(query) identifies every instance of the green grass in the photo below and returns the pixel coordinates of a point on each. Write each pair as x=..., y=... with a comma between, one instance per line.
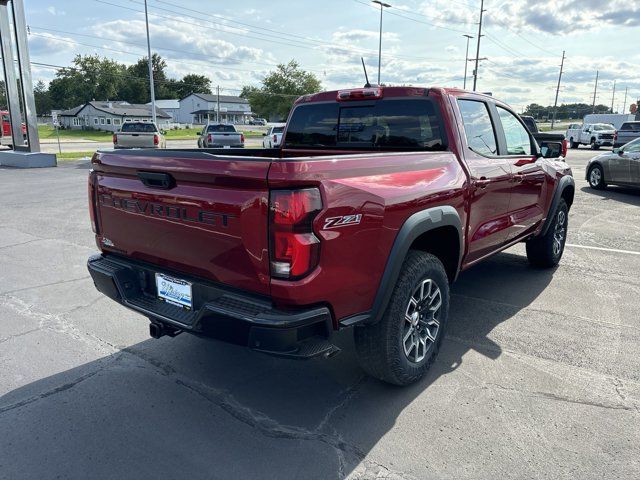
x=65, y=156
x=47, y=132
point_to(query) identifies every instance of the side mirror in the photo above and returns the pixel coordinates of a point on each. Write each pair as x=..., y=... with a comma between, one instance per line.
x=619, y=151
x=551, y=150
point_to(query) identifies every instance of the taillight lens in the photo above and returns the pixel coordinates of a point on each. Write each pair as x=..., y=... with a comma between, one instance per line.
x=295, y=249
x=242, y=138
x=209, y=139
x=92, y=202
x=374, y=93
x=156, y=140
x=275, y=139
x=615, y=135
x=115, y=139
x=565, y=147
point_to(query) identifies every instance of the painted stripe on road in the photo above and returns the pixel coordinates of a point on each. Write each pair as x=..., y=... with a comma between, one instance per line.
x=614, y=250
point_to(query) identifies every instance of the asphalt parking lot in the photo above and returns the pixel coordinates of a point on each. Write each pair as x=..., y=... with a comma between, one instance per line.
x=538, y=377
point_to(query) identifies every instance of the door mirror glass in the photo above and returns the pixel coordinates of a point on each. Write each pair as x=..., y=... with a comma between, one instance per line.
x=551, y=150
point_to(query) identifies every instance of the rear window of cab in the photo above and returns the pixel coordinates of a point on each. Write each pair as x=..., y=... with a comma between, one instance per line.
x=404, y=124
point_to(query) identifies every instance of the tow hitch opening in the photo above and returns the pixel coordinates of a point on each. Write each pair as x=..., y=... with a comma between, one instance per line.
x=157, y=330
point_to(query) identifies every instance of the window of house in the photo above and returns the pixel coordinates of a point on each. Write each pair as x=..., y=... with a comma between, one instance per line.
x=95, y=121
x=77, y=122
x=102, y=120
x=116, y=121
x=478, y=127
x=108, y=121
x=516, y=135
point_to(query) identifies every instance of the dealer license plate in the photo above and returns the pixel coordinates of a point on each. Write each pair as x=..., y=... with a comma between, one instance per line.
x=175, y=291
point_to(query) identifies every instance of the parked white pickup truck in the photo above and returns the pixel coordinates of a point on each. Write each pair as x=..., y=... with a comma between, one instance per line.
x=596, y=135
x=139, y=135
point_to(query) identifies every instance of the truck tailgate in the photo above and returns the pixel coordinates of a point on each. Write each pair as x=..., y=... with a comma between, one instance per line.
x=135, y=140
x=192, y=212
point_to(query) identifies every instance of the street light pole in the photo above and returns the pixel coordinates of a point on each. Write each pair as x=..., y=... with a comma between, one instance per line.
x=382, y=6
x=466, y=61
x=153, y=93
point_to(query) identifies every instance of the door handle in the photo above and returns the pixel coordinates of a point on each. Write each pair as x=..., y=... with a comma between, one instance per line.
x=482, y=182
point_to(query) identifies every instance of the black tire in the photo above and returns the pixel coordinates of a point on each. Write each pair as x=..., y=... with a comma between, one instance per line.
x=573, y=144
x=596, y=178
x=594, y=145
x=545, y=251
x=380, y=347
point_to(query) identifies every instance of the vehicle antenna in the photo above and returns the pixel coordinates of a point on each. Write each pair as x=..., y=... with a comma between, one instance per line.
x=366, y=77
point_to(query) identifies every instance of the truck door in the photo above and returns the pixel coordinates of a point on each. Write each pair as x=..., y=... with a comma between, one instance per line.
x=490, y=181
x=526, y=207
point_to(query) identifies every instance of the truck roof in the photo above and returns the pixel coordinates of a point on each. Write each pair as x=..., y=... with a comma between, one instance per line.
x=332, y=95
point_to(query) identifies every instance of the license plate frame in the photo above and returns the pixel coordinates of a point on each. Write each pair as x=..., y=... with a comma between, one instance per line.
x=175, y=291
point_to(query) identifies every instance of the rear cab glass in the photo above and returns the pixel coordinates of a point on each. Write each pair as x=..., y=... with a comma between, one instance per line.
x=277, y=130
x=221, y=128
x=631, y=126
x=389, y=124
x=133, y=127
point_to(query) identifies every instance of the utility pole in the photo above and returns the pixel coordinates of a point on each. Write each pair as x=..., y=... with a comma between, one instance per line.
x=153, y=93
x=595, y=90
x=555, y=104
x=218, y=107
x=624, y=105
x=466, y=61
x=475, y=72
x=382, y=6
x=613, y=96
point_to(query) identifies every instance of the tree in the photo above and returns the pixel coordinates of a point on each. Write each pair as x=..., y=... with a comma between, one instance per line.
x=193, y=83
x=137, y=87
x=42, y=98
x=90, y=78
x=280, y=89
x=3, y=95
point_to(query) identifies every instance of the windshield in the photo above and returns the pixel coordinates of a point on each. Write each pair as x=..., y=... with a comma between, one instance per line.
x=278, y=129
x=221, y=128
x=139, y=127
x=603, y=126
x=389, y=124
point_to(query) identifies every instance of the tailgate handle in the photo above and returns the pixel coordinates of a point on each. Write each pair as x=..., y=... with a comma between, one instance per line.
x=159, y=180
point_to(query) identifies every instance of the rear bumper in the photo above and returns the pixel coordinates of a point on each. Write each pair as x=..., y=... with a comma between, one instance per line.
x=235, y=317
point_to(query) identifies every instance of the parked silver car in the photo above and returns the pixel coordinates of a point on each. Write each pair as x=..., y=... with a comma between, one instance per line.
x=619, y=167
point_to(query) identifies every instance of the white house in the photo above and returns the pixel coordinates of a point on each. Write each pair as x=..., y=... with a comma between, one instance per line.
x=109, y=115
x=172, y=107
x=202, y=107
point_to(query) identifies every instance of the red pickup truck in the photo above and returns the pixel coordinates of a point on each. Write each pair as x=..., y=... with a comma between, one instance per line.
x=375, y=202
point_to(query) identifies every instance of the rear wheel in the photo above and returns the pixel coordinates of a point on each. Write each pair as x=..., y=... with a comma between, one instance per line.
x=594, y=145
x=401, y=347
x=596, y=177
x=573, y=144
x=546, y=250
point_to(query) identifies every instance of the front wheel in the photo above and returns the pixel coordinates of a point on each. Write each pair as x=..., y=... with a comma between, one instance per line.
x=401, y=347
x=573, y=144
x=546, y=250
x=596, y=178
x=594, y=145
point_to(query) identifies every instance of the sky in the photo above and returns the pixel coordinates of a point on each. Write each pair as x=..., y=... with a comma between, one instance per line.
x=238, y=43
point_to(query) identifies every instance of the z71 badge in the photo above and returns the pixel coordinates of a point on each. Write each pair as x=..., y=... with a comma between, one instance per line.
x=343, y=221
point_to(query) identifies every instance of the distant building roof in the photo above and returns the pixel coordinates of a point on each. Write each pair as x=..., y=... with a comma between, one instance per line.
x=167, y=104
x=208, y=97
x=118, y=108
x=225, y=112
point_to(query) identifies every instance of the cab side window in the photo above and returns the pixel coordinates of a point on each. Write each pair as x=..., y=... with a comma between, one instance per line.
x=478, y=128
x=517, y=137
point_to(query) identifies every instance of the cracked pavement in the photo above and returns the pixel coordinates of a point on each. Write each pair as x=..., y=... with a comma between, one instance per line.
x=537, y=378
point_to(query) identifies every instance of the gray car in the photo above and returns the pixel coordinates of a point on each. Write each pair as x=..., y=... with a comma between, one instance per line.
x=619, y=167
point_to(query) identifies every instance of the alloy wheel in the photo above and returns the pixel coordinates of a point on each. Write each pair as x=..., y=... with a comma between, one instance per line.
x=559, y=232
x=595, y=177
x=421, y=320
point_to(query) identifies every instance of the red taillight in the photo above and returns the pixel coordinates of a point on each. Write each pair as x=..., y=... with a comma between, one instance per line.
x=359, y=94
x=209, y=140
x=565, y=147
x=242, y=138
x=156, y=140
x=294, y=247
x=275, y=139
x=92, y=202
x=615, y=136
x=115, y=139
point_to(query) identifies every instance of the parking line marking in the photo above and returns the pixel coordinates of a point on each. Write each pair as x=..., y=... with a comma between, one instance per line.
x=614, y=250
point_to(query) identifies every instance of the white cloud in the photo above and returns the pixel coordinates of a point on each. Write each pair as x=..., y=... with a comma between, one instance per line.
x=54, y=11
